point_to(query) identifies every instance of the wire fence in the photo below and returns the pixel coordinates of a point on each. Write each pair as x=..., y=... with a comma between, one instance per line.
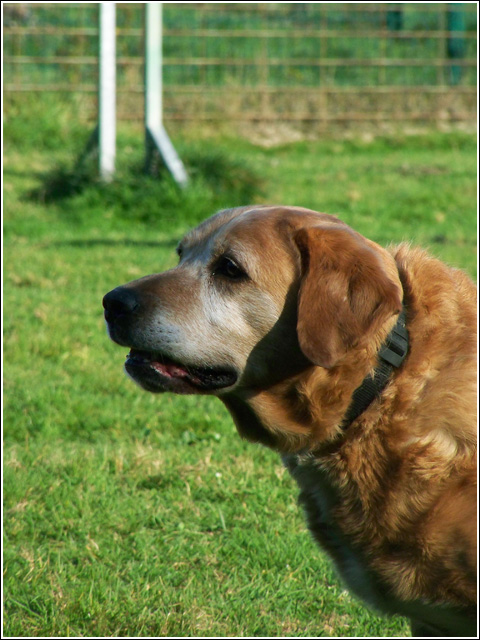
x=323, y=62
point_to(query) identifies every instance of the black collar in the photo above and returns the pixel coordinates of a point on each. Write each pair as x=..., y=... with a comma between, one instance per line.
x=391, y=355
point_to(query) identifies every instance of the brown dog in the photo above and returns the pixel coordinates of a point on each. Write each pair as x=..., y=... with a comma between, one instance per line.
x=358, y=364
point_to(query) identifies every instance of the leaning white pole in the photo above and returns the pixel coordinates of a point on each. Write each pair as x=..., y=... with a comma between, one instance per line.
x=156, y=136
x=107, y=91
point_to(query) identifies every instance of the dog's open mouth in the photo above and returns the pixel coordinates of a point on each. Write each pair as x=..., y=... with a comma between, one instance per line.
x=157, y=373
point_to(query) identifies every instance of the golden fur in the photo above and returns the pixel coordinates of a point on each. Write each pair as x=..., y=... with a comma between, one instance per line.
x=392, y=498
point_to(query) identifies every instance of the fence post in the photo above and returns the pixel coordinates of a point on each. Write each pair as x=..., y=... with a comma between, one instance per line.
x=107, y=92
x=153, y=65
x=456, y=40
x=157, y=142
x=394, y=16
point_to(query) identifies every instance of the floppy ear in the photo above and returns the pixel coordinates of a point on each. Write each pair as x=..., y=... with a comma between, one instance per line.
x=344, y=294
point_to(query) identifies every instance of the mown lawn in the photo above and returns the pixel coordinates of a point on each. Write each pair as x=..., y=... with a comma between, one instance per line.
x=128, y=514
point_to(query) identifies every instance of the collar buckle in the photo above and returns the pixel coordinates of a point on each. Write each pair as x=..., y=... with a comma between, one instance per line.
x=395, y=349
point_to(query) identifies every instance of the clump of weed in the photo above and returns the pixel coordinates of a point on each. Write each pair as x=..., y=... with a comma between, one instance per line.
x=216, y=180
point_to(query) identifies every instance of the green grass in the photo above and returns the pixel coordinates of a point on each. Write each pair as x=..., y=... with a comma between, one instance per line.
x=128, y=514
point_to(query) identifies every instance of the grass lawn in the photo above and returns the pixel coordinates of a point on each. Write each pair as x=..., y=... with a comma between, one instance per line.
x=128, y=514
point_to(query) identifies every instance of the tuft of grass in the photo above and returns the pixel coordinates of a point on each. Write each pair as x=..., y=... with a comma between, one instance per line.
x=216, y=179
x=228, y=176
x=44, y=121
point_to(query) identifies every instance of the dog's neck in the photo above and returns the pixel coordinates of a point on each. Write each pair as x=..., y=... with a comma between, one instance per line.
x=315, y=406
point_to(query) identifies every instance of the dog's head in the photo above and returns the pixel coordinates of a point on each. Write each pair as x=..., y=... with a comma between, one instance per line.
x=259, y=294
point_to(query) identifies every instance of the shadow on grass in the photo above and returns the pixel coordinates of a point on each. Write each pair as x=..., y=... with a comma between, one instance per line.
x=107, y=242
x=216, y=180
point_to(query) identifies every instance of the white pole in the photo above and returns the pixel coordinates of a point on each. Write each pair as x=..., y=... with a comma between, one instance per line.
x=107, y=91
x=157, y=139
x=153, y=65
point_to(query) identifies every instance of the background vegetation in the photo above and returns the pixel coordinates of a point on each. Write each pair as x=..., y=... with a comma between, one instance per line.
x=128, y=514
x=321, y=64
x=223, y=45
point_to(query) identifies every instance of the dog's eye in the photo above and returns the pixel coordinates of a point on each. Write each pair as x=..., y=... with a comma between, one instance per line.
x=226, y=267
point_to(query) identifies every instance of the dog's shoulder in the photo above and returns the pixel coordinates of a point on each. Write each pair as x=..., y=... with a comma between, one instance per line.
x=439, y=380
x=436, y=292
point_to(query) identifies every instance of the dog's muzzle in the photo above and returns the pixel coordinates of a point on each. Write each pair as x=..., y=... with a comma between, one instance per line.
x=156, y=371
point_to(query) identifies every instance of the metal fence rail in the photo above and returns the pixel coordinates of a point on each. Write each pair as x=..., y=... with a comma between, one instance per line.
x=325, y=62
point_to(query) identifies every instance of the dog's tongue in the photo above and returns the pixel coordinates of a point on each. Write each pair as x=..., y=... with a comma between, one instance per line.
x=171, y=370
x=165, y=367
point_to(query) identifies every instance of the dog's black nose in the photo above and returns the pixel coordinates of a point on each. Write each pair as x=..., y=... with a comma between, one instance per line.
x=119, y=302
